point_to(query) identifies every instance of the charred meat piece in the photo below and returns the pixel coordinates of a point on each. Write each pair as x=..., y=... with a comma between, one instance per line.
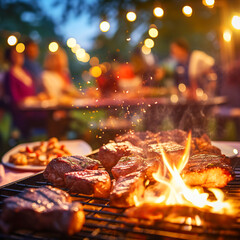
x=125, y=188
x=56, y=169
x=96, y=182
x=131, y=164
x=173, y=151
x=207, y=171
x=110, y=154
x=44, y=208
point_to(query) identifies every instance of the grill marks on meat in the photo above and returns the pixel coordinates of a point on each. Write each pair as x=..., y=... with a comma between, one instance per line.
x=208, y=171
x=110, y=154
x=127, y=165
x=56, y=169
x=96, y=182
x=44, y=208
x=125, y=188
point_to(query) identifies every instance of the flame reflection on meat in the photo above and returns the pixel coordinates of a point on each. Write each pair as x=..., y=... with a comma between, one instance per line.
x=176, y=192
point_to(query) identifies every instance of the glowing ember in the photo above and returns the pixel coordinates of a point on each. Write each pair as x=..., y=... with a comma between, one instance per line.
x=174, y=192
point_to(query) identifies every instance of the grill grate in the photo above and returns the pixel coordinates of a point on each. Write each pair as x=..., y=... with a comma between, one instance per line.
x=107, y=222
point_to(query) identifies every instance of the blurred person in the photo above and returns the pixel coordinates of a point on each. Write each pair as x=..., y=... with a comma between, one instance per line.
x=56, y=77
x=18, y=86
x=31, y=64
x=194, y=69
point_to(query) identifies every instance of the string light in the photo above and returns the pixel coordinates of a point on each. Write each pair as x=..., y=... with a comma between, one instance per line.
x=12, y=40
x=187, y=11
x=104, y=26
x=131, y=16
x=53, y=47
x=236, y=22
x=75, y=48
x=158, y=12
x=153, y=32
x=95, y=71
x=20, y=47
x=85, y=58
x=80, y=53
x=149, y=43
x=94, y=61
x=71, y=42
x=227, y=35
x=208, y=3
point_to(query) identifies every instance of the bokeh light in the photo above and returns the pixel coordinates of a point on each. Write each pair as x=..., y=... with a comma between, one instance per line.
x=75, y=48
x=208, y=3
x=158, y=12
x=53, y=46
x=71, y=42
x=153, y=32
x=95, y=71
x=236, y=22
x=94, y=61
x=182, y=87
x=12, y=40
x=85, y=58
x=149, y=43
x=131, y=16
x=146, y=50
x=80, y=53
x=20, y=47
x=187, y=11
x=104, y=26
x=227, y=35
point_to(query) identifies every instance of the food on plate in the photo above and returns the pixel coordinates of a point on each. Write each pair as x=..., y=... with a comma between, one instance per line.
x=44, y=208
x=40, y=154
x=207, y=171
x=110, y=154
x=126, y=189
x=56, y=169
x=130, y=164
x=96, y=182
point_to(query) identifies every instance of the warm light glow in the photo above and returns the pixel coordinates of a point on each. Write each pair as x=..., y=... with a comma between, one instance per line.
x=146, y=50
x=12, y=40
x=208, y=3
x=236, y=22
x=187, y=11
x=199, y=92
x=75, y=48
x=95, y=71
x=71, y=42
x=53, y=47
x=227, y=36
x=174, y=98
x=158, y=12
x=94, y=61
x=153, y=32
x=131, y=16
x=85, y=58
x=104, y=26
x=20, y=47
x=182, y=87
x=149, y=43
x=80, y=53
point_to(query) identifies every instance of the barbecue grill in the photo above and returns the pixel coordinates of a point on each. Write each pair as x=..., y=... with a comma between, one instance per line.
x=107, y=222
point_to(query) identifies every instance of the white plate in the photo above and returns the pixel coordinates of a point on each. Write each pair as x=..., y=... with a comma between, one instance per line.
x=226, y=149
x=76, y=147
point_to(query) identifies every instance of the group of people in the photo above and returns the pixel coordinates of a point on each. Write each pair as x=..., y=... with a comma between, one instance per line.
x=26, y=78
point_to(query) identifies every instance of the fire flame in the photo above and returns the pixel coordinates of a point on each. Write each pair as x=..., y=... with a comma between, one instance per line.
x=178, y=193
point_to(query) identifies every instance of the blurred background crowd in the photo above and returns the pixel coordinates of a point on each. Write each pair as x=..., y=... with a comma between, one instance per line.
x=58, y=50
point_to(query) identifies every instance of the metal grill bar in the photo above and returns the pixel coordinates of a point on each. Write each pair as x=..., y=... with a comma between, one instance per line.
x=107, y=222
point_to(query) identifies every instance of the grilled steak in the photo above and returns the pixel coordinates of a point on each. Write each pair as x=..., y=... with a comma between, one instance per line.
x=56, y=169
x=207, y=170
x=110, y=154
x=125, y=188
x=173, y=151
x=96, y=182
x=131, y=164
x=44, y=208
